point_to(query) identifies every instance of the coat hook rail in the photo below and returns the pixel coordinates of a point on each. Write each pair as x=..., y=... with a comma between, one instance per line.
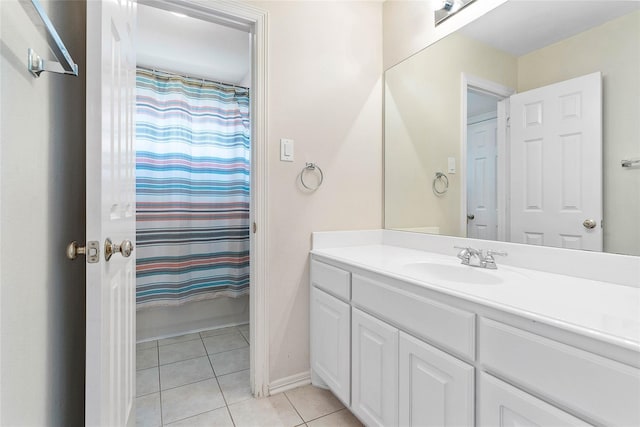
x=35, y=64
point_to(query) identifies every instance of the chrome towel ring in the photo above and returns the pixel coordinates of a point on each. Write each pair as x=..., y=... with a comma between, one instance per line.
x=440, y=184
x=311, y=167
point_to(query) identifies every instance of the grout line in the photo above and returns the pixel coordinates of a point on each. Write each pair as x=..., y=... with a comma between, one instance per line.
x=326, y=415
x=181, y=360
x=177, y=342
x=192, y=382
x=294, y=408
x=194, y=415
x=224, y=398
x=219, y=352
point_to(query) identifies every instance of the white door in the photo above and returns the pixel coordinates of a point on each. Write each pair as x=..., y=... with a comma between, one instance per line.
x=374, y=370
x=556, y=165
x=501, y=405
x=110, y=212
x=482, y=215
x=330, y=342
x=436, y=389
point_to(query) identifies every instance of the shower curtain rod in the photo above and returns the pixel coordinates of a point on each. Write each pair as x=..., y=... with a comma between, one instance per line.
x=184, y=76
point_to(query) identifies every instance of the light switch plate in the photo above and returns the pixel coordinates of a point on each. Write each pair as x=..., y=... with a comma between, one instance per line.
x=286, y=150
x=451, y=165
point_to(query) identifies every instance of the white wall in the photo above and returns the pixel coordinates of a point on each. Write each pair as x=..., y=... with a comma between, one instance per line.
x=42, y=209
x=325, y=92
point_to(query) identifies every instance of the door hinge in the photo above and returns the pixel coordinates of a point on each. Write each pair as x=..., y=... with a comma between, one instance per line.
x=255, y=228
x=508, y=121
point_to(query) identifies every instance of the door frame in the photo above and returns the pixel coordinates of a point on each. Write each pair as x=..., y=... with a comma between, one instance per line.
x=254, y=20
x=501, y=92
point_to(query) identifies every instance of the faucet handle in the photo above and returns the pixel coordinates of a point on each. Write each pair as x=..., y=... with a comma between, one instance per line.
x=491, y=252
x=464, y=255
x=489, y=261
x=464, y=252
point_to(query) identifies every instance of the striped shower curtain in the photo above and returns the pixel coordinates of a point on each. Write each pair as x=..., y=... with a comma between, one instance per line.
x=192, y=190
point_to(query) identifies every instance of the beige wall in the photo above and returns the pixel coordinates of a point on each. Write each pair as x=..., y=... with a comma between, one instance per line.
x=409, y=26
x=42, y=209
x=613, y=49
x=325, y=92
x=423, y=128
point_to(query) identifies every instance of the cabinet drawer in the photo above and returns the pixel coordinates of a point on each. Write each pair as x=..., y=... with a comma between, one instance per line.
x=602, y=390
x=331, y=279
x=501, y=405
x=441, y=324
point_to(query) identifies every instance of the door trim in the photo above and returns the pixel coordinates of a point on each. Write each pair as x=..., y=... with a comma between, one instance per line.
x=500, y=92
x=255, y=21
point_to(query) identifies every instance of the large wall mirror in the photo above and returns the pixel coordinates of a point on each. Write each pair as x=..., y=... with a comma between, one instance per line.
x=514, y=128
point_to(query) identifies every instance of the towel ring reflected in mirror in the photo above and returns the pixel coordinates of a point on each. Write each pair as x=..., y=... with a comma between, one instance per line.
x=311, y=167
x=440, y=184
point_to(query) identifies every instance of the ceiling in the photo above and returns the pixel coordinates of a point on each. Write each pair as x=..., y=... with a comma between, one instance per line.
x=522, y=26
x=192, y=47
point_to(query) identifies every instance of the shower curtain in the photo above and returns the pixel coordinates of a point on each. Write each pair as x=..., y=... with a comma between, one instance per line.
x=192, y=189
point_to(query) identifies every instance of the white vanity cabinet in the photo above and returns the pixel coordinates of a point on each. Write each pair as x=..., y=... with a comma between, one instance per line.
x=501, y=405
x=330, y=329
x=400, y=352
x=374, y=370
x=398, y=379
x=435, y=388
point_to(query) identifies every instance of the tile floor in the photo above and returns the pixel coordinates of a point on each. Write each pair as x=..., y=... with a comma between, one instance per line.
x=202, y=379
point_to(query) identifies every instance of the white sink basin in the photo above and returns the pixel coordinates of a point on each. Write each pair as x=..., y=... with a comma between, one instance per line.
x=456, y=273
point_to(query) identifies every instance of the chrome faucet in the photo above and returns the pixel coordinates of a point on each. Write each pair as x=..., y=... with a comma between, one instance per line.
x=476, y=257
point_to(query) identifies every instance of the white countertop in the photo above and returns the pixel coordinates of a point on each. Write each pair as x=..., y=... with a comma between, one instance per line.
x=605, y=311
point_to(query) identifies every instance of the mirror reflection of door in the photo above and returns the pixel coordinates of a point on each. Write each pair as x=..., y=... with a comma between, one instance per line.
x=482, y=215
x=556, y=165
x=552, y=164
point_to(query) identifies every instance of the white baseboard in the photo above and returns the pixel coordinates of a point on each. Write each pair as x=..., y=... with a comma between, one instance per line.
x=290, y=382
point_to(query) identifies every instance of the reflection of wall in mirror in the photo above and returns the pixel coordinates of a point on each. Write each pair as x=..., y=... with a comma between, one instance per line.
x=614, y=49
x=422, y=122
x=416, y=115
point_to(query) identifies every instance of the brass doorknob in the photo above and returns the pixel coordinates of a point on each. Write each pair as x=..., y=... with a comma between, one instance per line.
x=125, y=248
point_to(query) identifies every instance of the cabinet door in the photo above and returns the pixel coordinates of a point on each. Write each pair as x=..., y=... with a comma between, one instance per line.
x=374, y=370
x=330, y=345
x=436, y=389
x=501, y=405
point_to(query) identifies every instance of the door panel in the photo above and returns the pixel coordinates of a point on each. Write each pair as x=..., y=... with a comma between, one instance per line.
x=374, y=370
x=556, y=164
x=330, y=343
x=110, y=212
x=436, y=389
x=482, y=219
